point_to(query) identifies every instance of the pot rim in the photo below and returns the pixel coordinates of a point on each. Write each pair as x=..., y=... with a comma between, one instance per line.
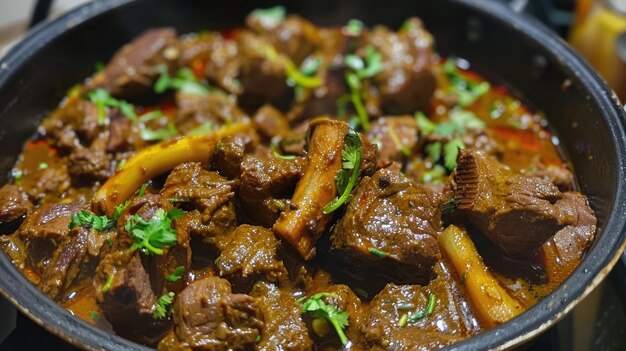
x=60, y=322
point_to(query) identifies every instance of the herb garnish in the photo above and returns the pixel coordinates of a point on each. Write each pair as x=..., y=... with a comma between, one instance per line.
x=154, y=235
x=426, y=312
x=94, y=316
x=176, y=274
x=43, y=165
x=348, y=175
x=162, y=306
x=270, y=17
x=319, y=309
x=361, y=69
x=378, y=253
x=107, y=285
x=117, y=211
x=354, y=27
x=148, y=134
x=466, y=91
x=88, y=219
x=184, y=81
x=101, y=98
x=204, y=128
x=276, y=153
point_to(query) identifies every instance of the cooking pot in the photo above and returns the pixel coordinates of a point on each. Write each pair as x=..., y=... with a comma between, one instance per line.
x=504, y=46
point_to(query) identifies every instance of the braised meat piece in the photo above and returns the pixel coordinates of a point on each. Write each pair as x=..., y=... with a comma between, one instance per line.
x=126, y=297
x=206, y=195
x=230, y=155
x=49, y=222
x=135, y=68
x=516, y=212
x=283, y=328
x=397, y=137
x=296, y=37
x=406, y=82
x=74, y=124
x=389, y=229
x=262, y=72
x=123, y=135
x=573, y=241
x=269, y=122
x=451, y=319
x=13, y=204
x=208, y=316
x=215, y=109
x=266, y=183
x=53, y=181
x=249, y=254
x=85, y=166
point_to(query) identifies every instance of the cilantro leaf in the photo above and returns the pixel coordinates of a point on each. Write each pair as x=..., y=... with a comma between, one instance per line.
x=425, y=125
x=351, y=156
x=297, y=76
x=119, y=209
x=434, y=150
x=270, y=17
x=184, y=81
x=148, y=134
x=88, y=219
x=426, y=312
x=319, y=309
x=101, y=98
x=152, y=236
x=203, y=129
x=451, y=151
x=466, y=120
x=467, y=91
x=354, y=27
x=176, y=274
x=162, y=306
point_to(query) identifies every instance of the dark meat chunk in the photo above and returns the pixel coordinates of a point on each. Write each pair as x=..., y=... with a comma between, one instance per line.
x=296, y=37
x=266, y=182
x=135, y=67
x=230, y=155
x=322, y=100
x=85, y=166
x=262, y=75
x=207, y=316
x=248, y=254
x=216, y=109
x=283, y=329
x=206, y=195
x=573, y=241
x=397, y=138
x=452, y=319
x=344, y=299
x=15, y=249
x=269, y=122
x=13, y=204
x=49, y=221
x=123, y=135
x=128, y=301
x=406, y=83
x=389, y=229
x=559, y=176
x=74, y=124
x=516, y=212
x=51, y=182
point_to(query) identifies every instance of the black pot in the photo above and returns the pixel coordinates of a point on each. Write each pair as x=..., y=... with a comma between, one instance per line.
x=519, y=51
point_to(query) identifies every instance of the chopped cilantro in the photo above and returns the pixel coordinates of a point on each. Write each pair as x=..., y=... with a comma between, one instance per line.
x=451, y=151
x=107, y=285
x=378, y=253
x=88, y=219
x=152, y=236
x=159, y=134
x=101, y=98
x=142, y=190
x=354, y=27
x=162, y=306
x=156, y=114
x=184, y=81
x=426, y=312
x=466, y=91
x=94, y=316
x=119, y=209
x=319, y=309
x=176, y=274
x=351, y=157
x=203, y=129
x=43, y=165
x=270, y=17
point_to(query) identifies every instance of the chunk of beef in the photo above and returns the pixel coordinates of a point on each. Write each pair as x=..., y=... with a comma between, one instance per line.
x=262, y=72
x=397, y=138
x=296, y=37
x=322, y=100
x=516, y=212
x=123, y=135
x=206, y=195
x=573, y=241
x=389, y=229
x=451, y=320
x=266, y=182
x=134, y=69
x=86, y=166
x=248, y=254
x=52, y=181
x=74, y=124
x=269, y=122
x=126, y=298
x=283, y=329
x=208, y=316
x=406, y=82
x=13, y=204
x=559, y=176
x=230, y=155
x=215, y=108
x=15, y=249
x=49, y=222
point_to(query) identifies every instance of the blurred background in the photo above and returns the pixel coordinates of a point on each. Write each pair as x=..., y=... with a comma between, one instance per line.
x=595, y=28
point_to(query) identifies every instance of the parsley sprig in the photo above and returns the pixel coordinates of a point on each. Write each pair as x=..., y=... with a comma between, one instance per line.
x=319, y=309
x=152, y=236
x=184, y=81
x=348, y=175
x=176, y=274
x=89, y=219
x=162, y=306
x=102, y=99
x=270, y=17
